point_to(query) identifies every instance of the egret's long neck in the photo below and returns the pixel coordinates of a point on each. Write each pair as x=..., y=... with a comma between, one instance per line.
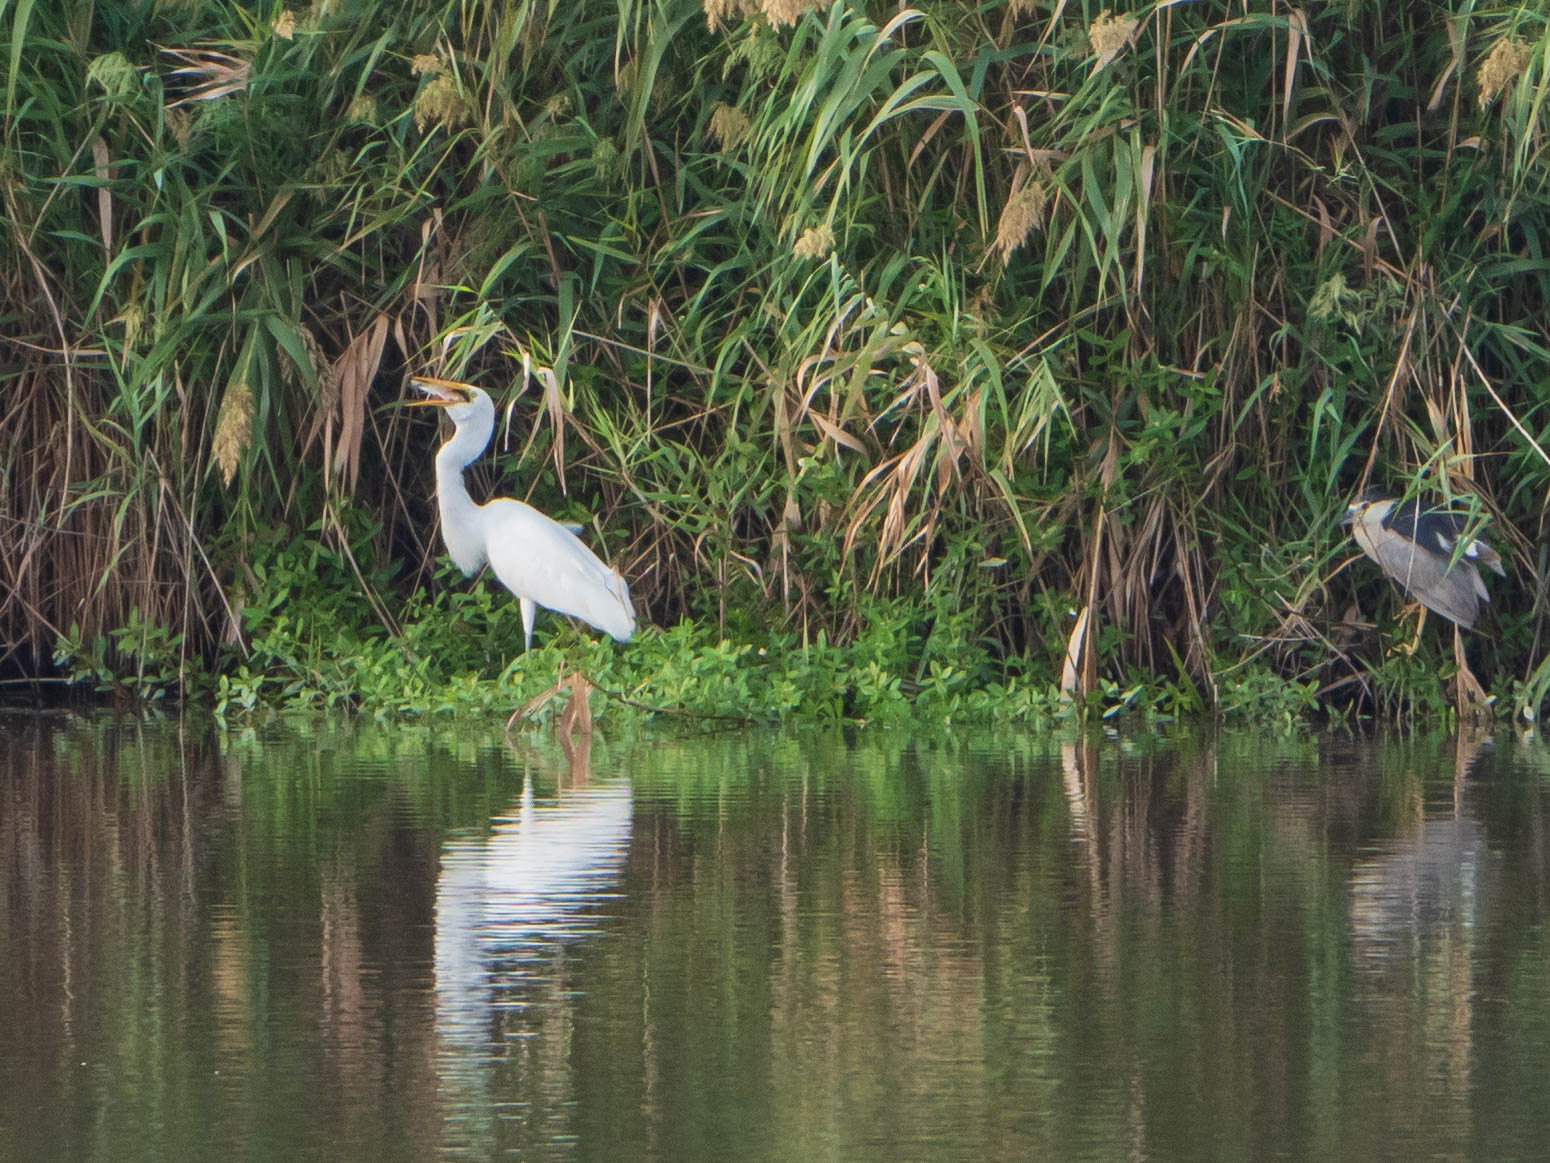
x=460, y=517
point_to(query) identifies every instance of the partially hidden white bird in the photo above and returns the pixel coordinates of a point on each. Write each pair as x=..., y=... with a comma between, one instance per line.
x=541, y=561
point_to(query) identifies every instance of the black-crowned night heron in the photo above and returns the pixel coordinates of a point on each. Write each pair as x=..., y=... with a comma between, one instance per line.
x=1428, y=551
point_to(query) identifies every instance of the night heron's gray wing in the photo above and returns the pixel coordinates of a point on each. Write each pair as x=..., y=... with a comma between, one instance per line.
x=1452, y=588
x=1440, y=530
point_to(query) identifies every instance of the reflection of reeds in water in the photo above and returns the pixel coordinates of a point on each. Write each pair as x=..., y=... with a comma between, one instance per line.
x=149, y=931
x=100, y=839
x=1153, y=830
x=1149, y=842
x=231, y=975
x=350, y=1000
x=827, y=946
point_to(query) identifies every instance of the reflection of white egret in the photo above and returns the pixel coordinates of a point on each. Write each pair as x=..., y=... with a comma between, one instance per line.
x=506, y=902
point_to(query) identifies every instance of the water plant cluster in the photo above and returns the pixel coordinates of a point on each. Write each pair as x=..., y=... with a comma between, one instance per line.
x=939, y=360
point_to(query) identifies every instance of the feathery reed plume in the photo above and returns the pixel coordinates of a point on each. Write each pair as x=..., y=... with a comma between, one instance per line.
x=816, y=242
x=114, y=73
x=779, y=12
x=728, y=125
x=285, y=24
x=426, y=64
x=1022, y=214
x=440, y=103
x=232, y=429
x=322, y=370
x=1107, y=35
x=717, y=11
x=1503, y=65
x=607, y=164
x=181, y=126
x=362, y=110
x=624, y=78
x=1333, y=299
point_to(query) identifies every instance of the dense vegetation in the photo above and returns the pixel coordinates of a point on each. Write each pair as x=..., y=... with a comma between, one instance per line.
x=889, y=352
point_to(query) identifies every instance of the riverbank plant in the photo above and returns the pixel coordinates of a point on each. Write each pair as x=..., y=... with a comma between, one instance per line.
x=949, y=353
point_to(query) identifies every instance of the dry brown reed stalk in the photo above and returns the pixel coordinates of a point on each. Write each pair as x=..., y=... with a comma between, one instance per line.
x=1136, y=558
x=213, y=73
x=949, y=444
x=353, y=373
x=559, y=419
x=89, y=541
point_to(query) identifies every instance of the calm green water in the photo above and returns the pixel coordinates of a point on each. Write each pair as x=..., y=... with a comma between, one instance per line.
x=340, y=941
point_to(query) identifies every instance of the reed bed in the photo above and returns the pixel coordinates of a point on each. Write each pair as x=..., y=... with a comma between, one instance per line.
x=1037, y=339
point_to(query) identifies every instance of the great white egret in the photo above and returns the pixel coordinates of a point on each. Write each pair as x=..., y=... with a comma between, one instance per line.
x=541, y=561
x=1420, y=549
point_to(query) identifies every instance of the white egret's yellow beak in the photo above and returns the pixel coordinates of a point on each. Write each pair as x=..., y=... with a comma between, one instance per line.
x=439, y=393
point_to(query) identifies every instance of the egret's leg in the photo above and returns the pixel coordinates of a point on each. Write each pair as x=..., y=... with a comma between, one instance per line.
x=529, y=609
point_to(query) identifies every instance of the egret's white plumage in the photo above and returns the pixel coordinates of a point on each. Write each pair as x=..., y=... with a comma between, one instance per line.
x=541, y=561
